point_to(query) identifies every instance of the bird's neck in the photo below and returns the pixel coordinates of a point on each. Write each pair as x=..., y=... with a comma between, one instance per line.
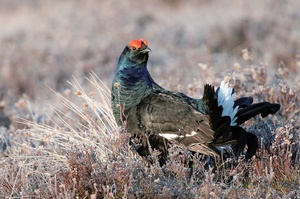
x=133, y=85
x=134, y=77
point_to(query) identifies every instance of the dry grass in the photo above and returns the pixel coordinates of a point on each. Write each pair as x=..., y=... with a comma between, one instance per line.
x=82, y=153
x=68, y=145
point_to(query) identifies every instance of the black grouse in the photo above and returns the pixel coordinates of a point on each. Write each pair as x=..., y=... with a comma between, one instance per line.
x=206, y=125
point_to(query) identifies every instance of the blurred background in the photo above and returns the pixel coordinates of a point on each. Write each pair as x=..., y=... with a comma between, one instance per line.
x=193, y=42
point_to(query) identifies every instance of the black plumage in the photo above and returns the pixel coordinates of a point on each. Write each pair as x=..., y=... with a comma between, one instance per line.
x=204, y=125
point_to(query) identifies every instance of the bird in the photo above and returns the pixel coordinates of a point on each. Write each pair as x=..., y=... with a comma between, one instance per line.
x=155, y=116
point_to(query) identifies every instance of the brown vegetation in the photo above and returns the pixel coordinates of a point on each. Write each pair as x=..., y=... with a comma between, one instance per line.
x=64, y=143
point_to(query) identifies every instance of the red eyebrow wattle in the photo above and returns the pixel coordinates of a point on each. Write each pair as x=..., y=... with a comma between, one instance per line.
x=137, y=43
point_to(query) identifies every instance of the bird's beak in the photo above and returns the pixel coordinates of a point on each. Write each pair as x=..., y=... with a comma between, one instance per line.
x=146, y=50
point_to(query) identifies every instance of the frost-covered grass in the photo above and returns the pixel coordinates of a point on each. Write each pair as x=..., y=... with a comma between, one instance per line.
x=63, y=141
x=82, y=153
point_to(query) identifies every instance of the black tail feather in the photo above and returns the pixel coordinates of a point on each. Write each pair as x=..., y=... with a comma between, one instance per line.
x=220, y=124
x=223, y=128
x=240, y=135
x=244, y=138
x=252, y=144
x=263, y=108
x=243, y=102
x=214, y=111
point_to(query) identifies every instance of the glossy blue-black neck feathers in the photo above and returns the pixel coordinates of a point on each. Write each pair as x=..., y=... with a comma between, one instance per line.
x=133, y=69
x=132, y=79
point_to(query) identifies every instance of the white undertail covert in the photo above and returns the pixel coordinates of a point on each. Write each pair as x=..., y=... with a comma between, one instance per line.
x=226, y=100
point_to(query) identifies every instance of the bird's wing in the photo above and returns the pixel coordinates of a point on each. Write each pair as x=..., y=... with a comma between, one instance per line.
x=197, y=104
x=170, y=116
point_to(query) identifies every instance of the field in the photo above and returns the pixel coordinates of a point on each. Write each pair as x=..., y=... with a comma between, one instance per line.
x=57, y=60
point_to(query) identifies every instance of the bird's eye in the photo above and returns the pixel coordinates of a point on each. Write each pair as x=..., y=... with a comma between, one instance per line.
x=133, y=48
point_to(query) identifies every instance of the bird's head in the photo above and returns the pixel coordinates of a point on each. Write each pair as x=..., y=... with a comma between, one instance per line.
x=137, y=51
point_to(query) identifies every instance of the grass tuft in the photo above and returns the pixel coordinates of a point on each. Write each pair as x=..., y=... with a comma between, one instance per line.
x=81, y=153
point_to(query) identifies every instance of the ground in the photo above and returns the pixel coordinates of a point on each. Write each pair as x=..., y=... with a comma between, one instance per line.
x=57, y=60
